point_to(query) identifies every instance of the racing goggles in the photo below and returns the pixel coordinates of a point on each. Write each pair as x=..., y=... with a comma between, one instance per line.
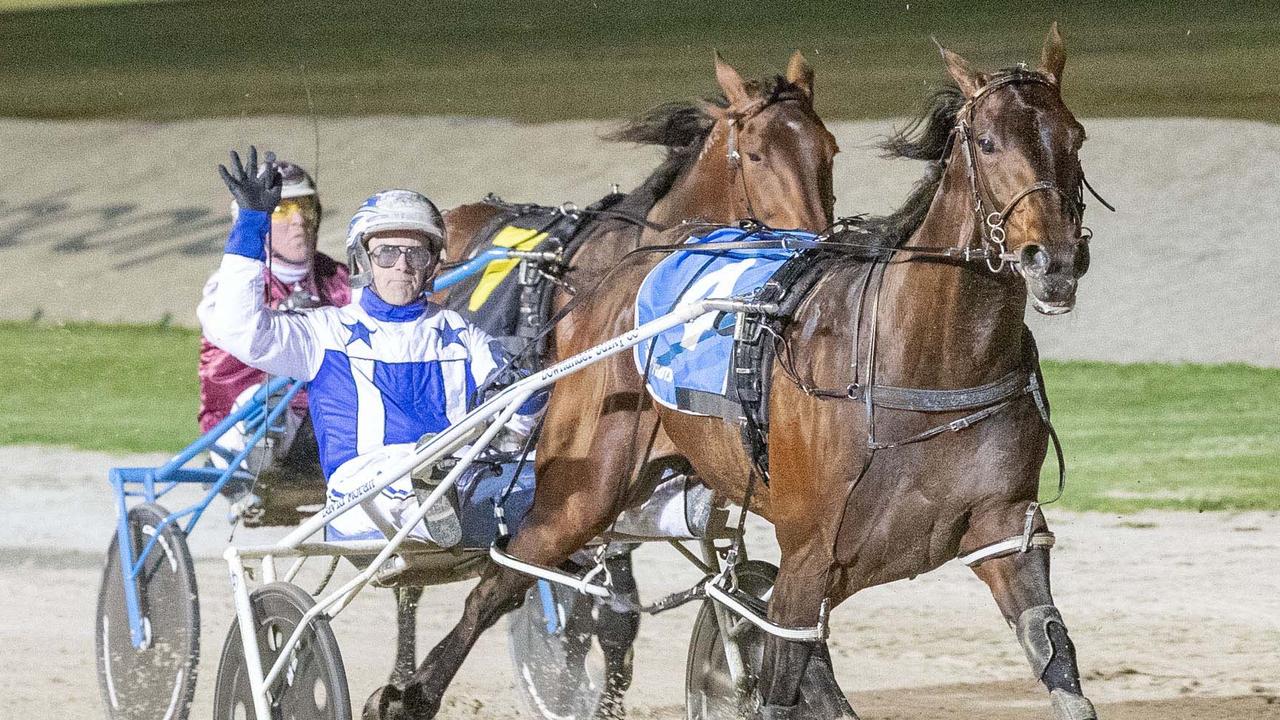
x=291, y=207
x=418, y=256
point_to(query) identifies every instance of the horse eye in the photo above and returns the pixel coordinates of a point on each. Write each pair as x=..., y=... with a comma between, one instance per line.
x=986, y=145
x=753, y=157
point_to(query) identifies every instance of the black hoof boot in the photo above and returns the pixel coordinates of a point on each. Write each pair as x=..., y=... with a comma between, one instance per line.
x=386, y=703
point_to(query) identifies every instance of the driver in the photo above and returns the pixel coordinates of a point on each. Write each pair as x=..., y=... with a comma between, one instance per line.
x=384, y=370
x=296, y=276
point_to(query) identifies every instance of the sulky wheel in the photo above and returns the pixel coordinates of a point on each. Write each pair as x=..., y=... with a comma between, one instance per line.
x=157, y=680
x=710, y=693
x=562, y=664
x=312, y=686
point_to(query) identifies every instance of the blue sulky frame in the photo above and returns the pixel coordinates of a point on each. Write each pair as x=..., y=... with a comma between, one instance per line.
x=151, y=483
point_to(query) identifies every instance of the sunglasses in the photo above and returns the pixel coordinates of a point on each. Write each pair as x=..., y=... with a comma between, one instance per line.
x=419, y=258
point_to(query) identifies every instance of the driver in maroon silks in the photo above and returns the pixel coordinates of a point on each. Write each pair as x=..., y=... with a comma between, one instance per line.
x=296, y=277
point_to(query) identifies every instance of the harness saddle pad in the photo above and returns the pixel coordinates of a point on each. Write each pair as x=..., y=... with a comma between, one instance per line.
x=490, y=299
x=689, y=368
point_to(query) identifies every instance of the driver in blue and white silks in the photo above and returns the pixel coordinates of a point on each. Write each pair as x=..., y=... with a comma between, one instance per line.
x=384, y=370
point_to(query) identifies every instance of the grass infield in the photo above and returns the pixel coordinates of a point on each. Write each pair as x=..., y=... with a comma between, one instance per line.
x=1191, y=437
x=545, y=60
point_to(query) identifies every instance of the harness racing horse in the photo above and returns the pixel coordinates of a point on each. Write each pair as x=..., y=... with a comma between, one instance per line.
x=761, y=151
x=908, y=422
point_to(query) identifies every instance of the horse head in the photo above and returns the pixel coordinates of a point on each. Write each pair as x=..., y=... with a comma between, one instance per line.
x=1020, y=147
x=765, y=153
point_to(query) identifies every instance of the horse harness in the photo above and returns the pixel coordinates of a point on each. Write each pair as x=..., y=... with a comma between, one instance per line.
x=991, y=223
x=521, y=311
x=759, y=342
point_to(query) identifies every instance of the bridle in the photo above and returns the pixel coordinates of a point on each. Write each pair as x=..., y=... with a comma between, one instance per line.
x=991, y=223
x=735, y=119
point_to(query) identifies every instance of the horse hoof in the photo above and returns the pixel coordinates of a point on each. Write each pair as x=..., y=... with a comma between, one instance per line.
x=610, y=708
x=386, y=703
x=780, y=712
x=1070, y=706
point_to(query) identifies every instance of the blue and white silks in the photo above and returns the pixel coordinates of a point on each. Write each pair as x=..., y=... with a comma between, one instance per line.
x=688, y=368
x=381, y=375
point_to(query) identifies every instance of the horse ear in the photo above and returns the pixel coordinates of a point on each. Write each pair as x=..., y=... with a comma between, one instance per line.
x=735, y=90
x=1054, y=54
x=800, y=73
x=969, y=79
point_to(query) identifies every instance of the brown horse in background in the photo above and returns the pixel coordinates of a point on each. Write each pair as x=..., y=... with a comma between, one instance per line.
x=760, y=152
x=907, y=424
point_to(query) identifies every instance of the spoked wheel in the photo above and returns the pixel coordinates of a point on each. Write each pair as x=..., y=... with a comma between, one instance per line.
x=710, y=692
x=560, y=664
x=157, y=680
x=312, y=686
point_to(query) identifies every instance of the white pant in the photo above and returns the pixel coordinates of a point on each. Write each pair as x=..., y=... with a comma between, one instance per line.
x=382, y=515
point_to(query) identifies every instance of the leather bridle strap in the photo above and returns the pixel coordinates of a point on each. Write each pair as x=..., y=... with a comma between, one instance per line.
x=991, y=224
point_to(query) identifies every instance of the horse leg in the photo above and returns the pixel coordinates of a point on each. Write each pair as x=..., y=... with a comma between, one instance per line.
x=795, y=671
x=406, y=633
x=567, y=513
x=498, y=591
x=616, y=629
x=1020, y=584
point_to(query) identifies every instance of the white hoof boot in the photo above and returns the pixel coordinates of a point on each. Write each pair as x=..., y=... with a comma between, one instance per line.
x=1070, y=706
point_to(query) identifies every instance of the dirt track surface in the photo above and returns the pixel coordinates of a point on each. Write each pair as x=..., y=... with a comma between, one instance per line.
x=118, y=221
x=1175, y=616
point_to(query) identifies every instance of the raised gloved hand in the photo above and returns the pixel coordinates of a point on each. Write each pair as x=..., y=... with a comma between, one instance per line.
x=253, y=190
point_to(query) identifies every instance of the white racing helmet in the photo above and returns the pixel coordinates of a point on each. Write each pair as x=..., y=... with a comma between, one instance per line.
x=295, y=182
x=389, y=210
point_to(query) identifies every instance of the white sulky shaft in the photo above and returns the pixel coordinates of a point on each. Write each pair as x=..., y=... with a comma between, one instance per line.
x=484, y=421
x=460, y=434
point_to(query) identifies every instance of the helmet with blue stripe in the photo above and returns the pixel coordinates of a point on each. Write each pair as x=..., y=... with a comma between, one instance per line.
x=389, y=210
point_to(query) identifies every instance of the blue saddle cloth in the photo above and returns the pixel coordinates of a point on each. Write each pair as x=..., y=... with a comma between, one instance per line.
x=688, y=368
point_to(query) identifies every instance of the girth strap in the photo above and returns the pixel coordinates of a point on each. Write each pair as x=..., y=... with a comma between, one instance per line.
x=754, y=349
x=929, y=400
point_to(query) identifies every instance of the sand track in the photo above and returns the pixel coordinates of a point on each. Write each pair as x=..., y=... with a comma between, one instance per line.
x=1175, y=616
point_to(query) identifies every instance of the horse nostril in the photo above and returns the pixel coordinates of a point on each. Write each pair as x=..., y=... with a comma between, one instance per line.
x=1034, y=259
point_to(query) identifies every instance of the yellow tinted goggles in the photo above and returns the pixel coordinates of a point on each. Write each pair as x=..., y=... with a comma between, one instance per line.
x=289, y=208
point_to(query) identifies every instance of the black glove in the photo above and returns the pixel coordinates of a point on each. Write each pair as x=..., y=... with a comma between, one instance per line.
x=251, y=189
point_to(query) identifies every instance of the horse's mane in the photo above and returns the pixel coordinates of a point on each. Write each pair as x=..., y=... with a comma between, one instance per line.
x=682, y=128
x=925, y=137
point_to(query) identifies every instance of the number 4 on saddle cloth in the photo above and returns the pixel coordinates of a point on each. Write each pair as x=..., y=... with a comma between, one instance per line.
x=690, y=368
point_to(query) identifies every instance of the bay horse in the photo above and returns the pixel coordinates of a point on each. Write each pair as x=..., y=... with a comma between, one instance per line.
x=908, y=425
x=758, y=151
